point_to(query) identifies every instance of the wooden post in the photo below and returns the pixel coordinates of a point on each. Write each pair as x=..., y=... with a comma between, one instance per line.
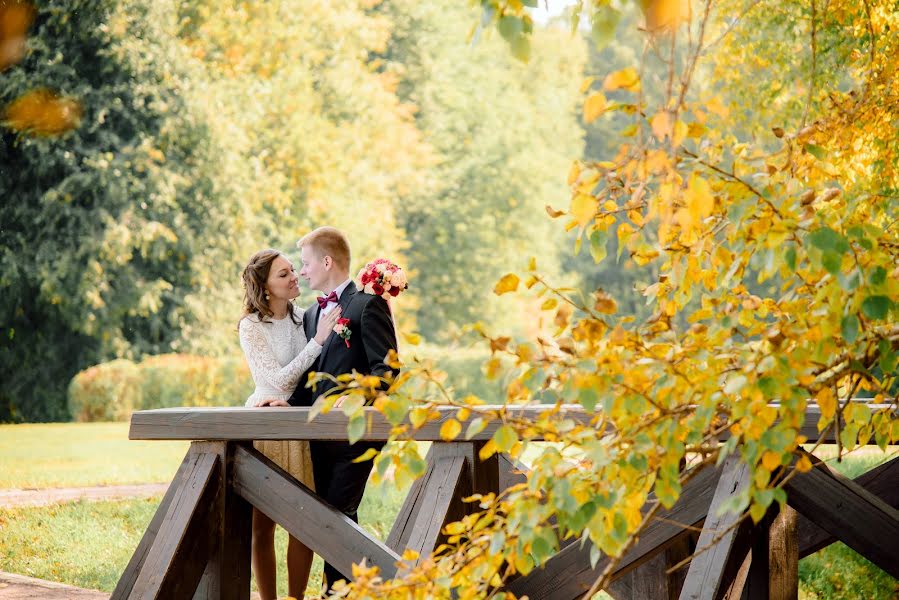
x=227, y=574
x=718, y=538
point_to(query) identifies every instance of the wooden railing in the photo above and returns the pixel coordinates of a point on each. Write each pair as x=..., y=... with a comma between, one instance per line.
x=198, y=542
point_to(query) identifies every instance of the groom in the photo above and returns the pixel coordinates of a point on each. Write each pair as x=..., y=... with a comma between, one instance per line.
x=325, y=256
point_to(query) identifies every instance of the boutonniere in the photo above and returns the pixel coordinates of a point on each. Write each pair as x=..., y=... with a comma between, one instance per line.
x=382, y=277
x=343, y=331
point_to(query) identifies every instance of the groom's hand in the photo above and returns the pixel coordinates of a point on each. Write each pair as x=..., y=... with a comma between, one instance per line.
x=272, y=402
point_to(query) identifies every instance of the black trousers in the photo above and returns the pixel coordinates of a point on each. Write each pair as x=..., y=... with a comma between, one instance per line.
x=341, y=482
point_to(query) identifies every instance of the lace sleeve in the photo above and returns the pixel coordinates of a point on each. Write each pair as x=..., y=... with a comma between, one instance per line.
x=263, y=364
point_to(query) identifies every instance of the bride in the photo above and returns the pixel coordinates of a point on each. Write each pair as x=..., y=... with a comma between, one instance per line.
x=272, y=338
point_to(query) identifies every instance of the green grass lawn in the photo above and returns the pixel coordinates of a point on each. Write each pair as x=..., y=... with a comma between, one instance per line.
x=88, y=544
x=81, y=454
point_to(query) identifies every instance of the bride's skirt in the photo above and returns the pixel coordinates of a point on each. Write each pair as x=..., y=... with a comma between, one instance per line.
x=291, y=455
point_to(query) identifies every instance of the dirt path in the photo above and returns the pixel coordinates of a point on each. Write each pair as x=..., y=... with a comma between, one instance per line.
x=10, y=498
x=19, y=587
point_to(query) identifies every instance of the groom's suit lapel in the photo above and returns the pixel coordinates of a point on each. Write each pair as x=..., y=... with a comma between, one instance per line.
x=347, y=295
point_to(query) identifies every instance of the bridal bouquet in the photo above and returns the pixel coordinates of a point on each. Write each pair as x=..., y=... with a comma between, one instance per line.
x=381, y=277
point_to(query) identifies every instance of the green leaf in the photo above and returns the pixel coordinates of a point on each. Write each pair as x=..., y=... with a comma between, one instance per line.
x=790, y=258
x=849, y=328
x=504, y=438
x=878, y=276
x=888, y=358
x=521, y=48
x=475, y=427
x=828, y=240
x=356, y=428
x=605, y=22
x=598, y=240
x=832, y=262
x=510, y=27
x=876, y=307
x=816, y=151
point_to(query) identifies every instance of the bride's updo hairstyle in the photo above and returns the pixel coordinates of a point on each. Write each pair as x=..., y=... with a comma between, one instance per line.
x=254, y=277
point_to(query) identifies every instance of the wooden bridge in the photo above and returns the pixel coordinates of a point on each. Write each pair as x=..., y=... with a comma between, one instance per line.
x=198, y=543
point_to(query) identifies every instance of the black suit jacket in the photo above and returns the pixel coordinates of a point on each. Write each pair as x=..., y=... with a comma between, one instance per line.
x=371, y=339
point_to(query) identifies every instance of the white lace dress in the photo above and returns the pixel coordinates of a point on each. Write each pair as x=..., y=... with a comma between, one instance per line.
x=278, y=354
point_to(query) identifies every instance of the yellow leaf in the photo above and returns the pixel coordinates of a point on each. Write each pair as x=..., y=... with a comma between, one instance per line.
x=549, y=304
x=583, y=208
x=487, y=450
x=508, y=283
x=770, y=460
x=604, y=303
x=450, y=430
x=665, y=14
x=803, y=465
x=661, y=124
x=412, y=338
x=409, y=555
x=573, y=173
x=553, y=213
x=626, y=79
x=594, y=106
x=586, y=83
x=699, y=199
x=42, y=112
x=827, y=402
x=680, y=133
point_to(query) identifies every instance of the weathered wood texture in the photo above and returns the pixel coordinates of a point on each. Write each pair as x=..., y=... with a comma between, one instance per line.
x=176, y=561
x=441, y=499
x=331, y=534
x=568, y=574
x=719, y=534
x=227, y=574
x=783, y=556
x=239, y=423
x=882, y=481
x=849, y=512
x=129, y=575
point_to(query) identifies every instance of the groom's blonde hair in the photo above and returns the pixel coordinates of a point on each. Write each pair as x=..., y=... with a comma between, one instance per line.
x=328, y=241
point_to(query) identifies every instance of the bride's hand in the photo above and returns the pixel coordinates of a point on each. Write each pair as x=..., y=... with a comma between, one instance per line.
x=272, y=402
x=326, y=325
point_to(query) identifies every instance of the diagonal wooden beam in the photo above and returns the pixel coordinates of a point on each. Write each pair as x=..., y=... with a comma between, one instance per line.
x=882, y=481
x=129, y=575
x=441, y=500
x=398, y=538
x=568, y=574
x=178, y=556
x=705, y=578
x=849, y=512
x=327, y=531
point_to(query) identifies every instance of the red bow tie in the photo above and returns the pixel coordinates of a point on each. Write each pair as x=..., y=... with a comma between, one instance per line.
x=323, y=300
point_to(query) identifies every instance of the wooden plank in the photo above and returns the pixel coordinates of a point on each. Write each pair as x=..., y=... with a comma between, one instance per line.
x=129, y=575
x=882, y=481
x=783, y=556
x=179, y=553
x=327, y=531
x=568, y=574
x=282, y=423
x=757, y=580
x=442, y=503
x=278, y=423
x=848, y=511
x=717, y=540
x=398, y=538
x=227, y=574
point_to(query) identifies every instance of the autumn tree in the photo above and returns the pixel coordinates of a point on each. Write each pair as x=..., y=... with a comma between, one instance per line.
x=757, y=158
